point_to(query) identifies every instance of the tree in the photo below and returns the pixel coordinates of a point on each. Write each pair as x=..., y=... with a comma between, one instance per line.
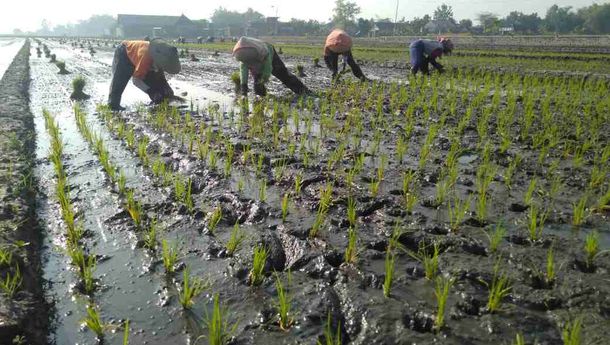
x=364, y=26
x=465, y=24
x=561, y=19
x=595, y=18
x=489, y=22
x=444, y=12
x=344, y=13
x=523, y=23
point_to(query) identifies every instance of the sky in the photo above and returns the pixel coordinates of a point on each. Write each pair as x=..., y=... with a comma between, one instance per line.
x=28, y=15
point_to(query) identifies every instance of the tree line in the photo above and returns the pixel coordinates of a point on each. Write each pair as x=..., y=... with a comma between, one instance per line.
x=594, y=19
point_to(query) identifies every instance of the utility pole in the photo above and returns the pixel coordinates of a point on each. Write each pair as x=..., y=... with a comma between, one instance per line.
x=396, y=18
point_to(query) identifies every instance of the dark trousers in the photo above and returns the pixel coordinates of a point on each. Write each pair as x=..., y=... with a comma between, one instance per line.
x=418, y=59
x=122, y=70
x=332, y=62
x=280, y=71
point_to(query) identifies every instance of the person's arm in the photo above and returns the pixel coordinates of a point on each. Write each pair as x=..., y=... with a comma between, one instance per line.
x=243, y=77
x=432, y=59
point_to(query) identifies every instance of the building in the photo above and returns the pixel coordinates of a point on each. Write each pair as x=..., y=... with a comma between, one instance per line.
x=139, y=26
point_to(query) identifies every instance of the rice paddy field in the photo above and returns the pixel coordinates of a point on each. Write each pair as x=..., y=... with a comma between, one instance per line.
x=469, y=207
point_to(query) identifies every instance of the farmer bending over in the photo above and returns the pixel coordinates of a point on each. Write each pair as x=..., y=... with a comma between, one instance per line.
x=339, y=43
x=261, y=59
x=426, y=51
x=145, y=63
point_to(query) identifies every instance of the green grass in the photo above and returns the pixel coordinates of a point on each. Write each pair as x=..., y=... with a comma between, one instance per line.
x=6, y=257
x=126, y=333
x=496, y=237
x=150, y=238
x=285, y=203
x=536, y=220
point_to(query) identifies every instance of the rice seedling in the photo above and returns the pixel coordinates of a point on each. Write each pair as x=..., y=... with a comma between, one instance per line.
x=179, y=188
x=284, y=302
x=11, y=283
x=214, y=218
x=352, y=216
x=170, y=256
x=390, y=261
x=579, y=211
x=150, y=238
x=550, y=267
x=121, y=182
x=190, y=289
x=498, y=289
x=591, y=249
x=188, y=196
x=535, y=223
x=442, y=189
x=351, y=252
x=86, y=273
x=496, y=237
x=142, y=153
x=259, y=259
x=235, y=240
x=529, y=194
x=134, y=208
x=458, y=211
x=428, y=259
x=93, y=321
x=220, y=331
x=126, y=333
x=510, y=170
x=331, y=337
x=571, y=332
x=262, y=191
x=519, y=339
x=285, y=202
x=298, y=183
x=441, y=291
x=6, y=257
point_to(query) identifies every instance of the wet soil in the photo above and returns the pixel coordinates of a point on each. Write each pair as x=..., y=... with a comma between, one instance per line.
x=132, y=281
x=25, y=314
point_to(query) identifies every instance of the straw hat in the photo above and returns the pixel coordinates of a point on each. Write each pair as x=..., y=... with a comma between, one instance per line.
x=165, y=56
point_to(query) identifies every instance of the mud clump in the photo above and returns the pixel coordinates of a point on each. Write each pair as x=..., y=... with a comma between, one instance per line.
x=22, y=313
x=78, y=85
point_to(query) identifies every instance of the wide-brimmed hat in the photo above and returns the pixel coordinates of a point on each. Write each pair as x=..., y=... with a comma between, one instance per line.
x=165, y=56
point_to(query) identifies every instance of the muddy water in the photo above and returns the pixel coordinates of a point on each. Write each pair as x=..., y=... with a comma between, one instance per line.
x=129, y=288
x=8, y=49
x=134, y=286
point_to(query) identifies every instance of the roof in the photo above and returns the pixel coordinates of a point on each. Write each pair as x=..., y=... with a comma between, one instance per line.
x=136, y=19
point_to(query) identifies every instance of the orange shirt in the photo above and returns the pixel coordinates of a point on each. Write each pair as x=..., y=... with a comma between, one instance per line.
x=338, y=42
x=137, y=52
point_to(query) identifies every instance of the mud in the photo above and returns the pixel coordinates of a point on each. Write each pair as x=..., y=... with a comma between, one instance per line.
x=134, y=286
x=25, y=314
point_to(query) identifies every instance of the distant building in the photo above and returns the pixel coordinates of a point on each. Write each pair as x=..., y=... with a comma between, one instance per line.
x=138, y=26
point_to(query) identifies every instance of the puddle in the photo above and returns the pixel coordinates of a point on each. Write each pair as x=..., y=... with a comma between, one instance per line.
x=8, y=49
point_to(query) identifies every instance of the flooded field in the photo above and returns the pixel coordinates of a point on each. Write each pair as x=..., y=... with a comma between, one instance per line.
x=464, y=208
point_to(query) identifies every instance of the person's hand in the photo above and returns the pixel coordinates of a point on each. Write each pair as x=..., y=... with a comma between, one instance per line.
x=156, y=96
